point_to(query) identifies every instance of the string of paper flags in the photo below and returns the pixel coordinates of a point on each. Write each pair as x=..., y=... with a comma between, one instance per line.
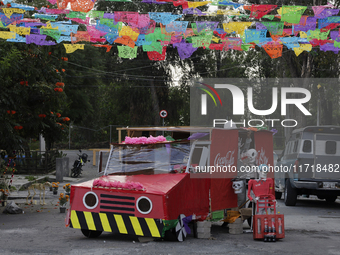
x=243, y=27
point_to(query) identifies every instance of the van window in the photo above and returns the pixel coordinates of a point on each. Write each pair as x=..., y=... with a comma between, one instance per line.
x=307, y=146
x=288, y=149
x=295, y=146
x=330, y=147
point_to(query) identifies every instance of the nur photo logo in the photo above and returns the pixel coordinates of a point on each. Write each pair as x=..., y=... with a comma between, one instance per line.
x=234, y=98
x=204, y=97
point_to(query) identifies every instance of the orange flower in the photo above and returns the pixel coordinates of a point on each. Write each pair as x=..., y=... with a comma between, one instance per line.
x=58, y=114
x=49, y=53
x=60, y=84
x=42, y=115
x=57, y=70
x=63, y=70
x=66, y=119
x=22, y=83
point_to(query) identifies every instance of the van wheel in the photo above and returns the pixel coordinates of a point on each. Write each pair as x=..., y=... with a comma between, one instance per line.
x=278, y=195
x=290, y=195
x=331, y=199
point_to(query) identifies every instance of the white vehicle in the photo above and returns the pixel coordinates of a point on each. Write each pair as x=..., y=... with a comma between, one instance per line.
x=310, y=165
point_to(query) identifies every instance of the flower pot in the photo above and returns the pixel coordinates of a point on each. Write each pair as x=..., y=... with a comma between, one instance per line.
x=55, y=192
x=62, y=209
x=51, y=189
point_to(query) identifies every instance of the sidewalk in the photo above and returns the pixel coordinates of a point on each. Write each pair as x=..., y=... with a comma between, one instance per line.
x=20, y=182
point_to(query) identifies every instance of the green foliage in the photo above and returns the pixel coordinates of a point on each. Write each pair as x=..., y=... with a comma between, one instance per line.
x=61, y=154
x=28, y=78
x=30, y=178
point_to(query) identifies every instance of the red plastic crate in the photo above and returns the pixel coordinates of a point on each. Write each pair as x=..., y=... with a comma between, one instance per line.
x=258, y=225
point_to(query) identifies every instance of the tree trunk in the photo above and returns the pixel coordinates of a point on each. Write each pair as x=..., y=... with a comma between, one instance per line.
x=155, y=104
x=305, y=73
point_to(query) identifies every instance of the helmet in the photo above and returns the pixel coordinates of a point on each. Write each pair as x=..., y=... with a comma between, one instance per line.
x=84, y=157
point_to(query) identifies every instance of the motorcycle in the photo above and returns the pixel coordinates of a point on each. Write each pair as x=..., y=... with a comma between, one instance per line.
x=78, y=164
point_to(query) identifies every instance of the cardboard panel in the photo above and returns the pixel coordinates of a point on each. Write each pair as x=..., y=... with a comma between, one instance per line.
x=265, y=149
x=190, y=196
x=223, y=152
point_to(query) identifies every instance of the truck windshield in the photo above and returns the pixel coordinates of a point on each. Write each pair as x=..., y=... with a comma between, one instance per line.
x=148, y=159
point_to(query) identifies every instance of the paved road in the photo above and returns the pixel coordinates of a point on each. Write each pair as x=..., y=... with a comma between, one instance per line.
x=312, y=227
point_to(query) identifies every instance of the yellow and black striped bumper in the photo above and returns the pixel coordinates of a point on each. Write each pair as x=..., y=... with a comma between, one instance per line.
x=116, y=223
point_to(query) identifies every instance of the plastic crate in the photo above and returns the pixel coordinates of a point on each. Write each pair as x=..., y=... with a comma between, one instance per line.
x=276, y=220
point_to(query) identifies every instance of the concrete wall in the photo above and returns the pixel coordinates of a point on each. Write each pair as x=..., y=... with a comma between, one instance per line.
x=62, y=168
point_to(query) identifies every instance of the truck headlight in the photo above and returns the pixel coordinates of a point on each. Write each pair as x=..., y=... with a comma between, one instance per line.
x=90, y=200
x=144, y=205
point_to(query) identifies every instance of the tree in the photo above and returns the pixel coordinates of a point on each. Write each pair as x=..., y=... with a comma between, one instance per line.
x=29, y=96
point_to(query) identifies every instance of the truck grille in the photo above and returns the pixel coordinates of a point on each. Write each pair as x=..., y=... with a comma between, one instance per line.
x=116, y=204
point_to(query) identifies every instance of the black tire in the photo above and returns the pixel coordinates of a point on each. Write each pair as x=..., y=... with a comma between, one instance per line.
x=278, y=195
x=331, y=199
x=290, y=194
x=91, y=233
x=170, y=235
x=74, y=173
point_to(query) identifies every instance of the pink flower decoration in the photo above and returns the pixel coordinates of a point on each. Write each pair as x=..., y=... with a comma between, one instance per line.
x=144, y=140
x=138, y=186
x=95, y=182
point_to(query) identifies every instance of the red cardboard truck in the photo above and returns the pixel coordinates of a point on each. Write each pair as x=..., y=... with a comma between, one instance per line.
x=149, y=189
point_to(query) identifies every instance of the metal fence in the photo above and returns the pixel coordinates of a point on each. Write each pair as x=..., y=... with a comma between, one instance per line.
x=36, y=162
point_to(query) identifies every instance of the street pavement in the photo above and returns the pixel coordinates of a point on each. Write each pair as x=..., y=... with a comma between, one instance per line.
x=311, y=227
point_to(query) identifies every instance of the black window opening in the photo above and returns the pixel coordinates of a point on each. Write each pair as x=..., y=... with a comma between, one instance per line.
x=307, y=146
x=331, y=147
